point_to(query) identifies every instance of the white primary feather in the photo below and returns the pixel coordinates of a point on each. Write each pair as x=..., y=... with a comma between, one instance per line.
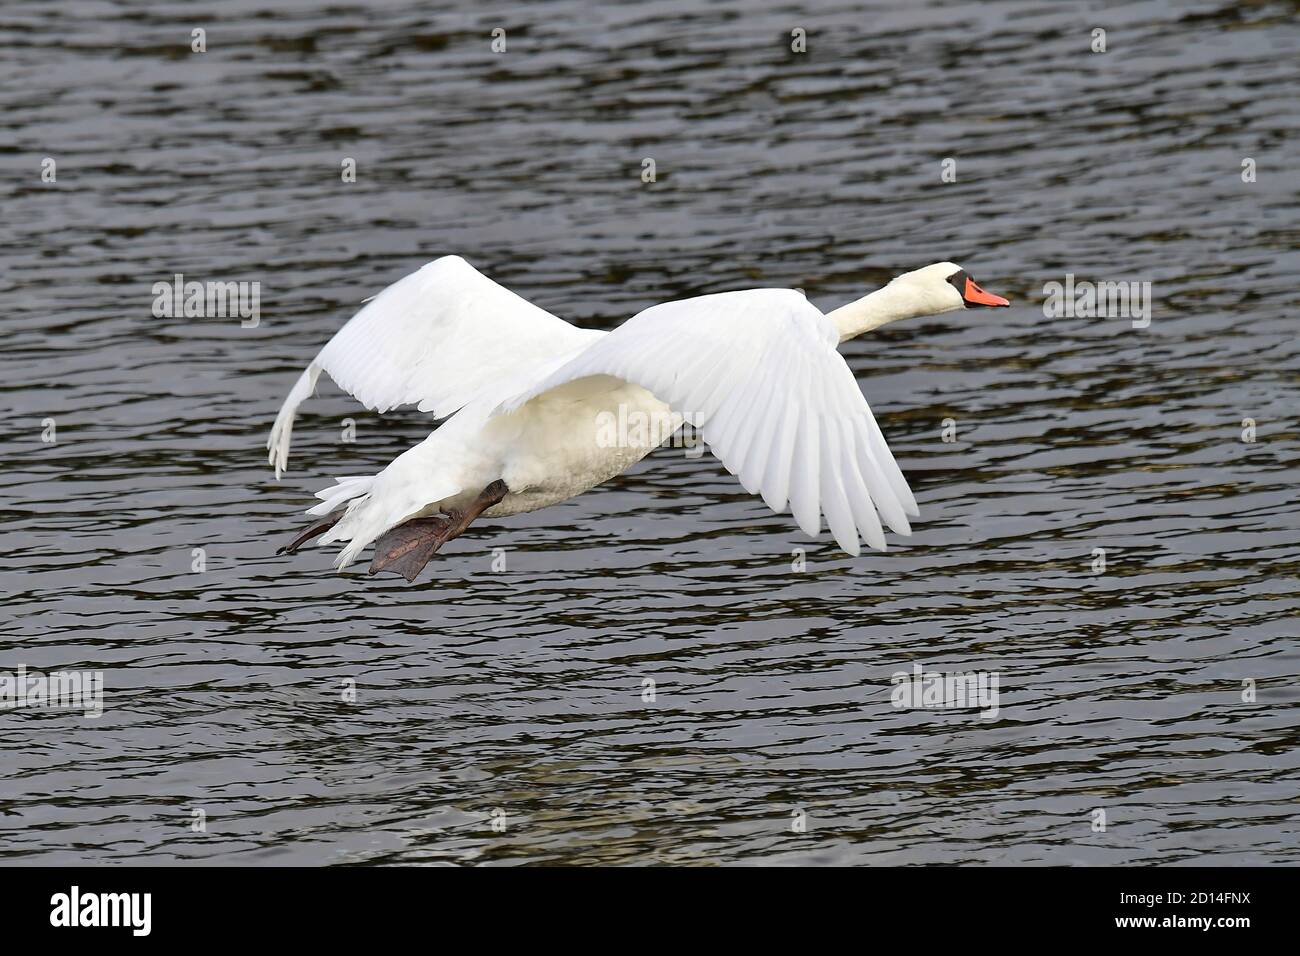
x=433, y=338
x=741, y=364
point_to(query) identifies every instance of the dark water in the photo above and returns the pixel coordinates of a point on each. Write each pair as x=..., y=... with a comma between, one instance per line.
x=521, y=691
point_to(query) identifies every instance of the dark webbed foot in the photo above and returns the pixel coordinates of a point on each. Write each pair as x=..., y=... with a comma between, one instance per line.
x=407, y=548
x=319, y=527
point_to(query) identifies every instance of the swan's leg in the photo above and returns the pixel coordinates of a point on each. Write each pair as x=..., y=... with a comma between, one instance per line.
x=319, y=527
x=407, y=548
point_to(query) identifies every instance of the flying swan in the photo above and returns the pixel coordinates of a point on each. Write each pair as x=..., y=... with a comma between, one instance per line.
x=524, y=395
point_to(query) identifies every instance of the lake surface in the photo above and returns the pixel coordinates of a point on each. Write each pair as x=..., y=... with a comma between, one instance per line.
x=501, y=716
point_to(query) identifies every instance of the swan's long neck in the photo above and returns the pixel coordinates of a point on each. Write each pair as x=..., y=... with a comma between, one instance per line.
x=895, y=301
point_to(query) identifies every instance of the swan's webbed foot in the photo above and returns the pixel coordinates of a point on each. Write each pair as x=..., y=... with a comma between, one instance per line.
x=318, y=527
x=407, y=548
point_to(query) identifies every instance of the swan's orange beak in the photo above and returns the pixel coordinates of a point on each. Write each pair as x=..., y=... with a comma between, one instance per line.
x=974, y=296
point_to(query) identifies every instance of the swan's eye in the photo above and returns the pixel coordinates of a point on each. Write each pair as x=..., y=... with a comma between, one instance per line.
x=958, y=281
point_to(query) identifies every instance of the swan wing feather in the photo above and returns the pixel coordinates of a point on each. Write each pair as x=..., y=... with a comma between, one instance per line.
x=721, y=361
x=431, y=339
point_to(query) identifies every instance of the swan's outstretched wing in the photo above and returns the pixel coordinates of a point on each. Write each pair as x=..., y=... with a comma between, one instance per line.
x=758, y=373
x=433, y=338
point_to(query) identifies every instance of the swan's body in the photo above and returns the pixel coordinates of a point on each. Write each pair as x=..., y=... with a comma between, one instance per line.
x=523, y=394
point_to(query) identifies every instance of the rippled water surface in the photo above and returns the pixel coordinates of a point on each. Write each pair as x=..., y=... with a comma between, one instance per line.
x=520, y=692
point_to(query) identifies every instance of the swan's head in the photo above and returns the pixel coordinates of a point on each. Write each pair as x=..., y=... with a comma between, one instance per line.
x=943, y=287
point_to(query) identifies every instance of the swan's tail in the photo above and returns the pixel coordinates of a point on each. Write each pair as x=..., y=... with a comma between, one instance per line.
x=345, y=489
x=413, y=484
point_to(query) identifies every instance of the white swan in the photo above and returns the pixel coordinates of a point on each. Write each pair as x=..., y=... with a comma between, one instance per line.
x=756, y=371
